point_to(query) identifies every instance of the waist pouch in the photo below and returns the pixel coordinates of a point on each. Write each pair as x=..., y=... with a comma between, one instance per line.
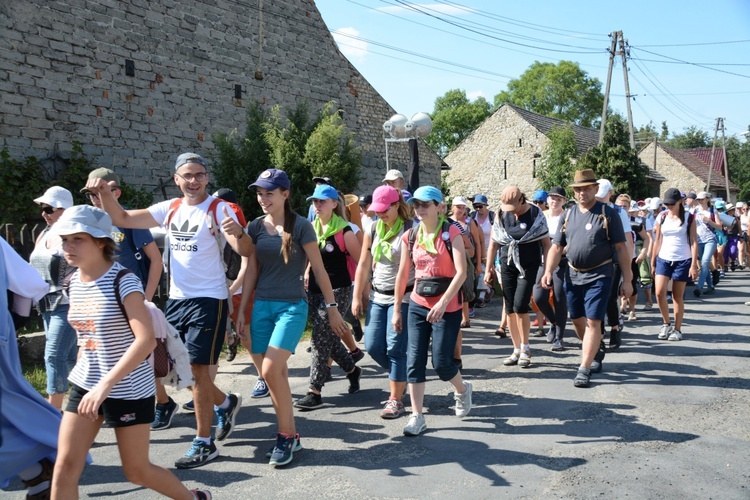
x=432, y=287
x=392, y=292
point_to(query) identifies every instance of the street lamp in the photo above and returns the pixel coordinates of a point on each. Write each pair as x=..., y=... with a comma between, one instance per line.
x=398, y=128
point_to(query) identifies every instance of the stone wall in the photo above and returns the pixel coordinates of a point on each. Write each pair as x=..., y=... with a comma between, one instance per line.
x=502, y=151
x=63, y=78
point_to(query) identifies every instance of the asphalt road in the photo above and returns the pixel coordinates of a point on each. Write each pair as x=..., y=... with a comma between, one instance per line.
x=664, y=420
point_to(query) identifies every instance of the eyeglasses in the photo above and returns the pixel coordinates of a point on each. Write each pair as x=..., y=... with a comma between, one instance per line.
x=422, y=204
x=49, y=210
x=92, y=196
x=670, y=204
x=477, y=206
x=199, y=177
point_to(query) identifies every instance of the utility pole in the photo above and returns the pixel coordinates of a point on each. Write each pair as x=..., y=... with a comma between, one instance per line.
x=711, y=160
x=624, y=53
x=726, y=164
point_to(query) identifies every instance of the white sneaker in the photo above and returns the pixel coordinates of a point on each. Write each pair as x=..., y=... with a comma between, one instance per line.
x=631, y=316
x=415, y=426
x=463, y=401
x=664, y=332
x=675, y=335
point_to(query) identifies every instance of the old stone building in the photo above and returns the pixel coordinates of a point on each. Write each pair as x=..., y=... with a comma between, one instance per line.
x=685, y=171
x=137, y=82
x=506, y=149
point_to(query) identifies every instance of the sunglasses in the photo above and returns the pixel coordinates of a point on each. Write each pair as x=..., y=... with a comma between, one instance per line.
x=479, y=205
x=49, y=210
x=199, y=177
x=422, y=204
x=389, y=207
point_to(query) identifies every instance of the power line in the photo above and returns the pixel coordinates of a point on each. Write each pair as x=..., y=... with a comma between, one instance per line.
x=697, y=44
x=690, y=63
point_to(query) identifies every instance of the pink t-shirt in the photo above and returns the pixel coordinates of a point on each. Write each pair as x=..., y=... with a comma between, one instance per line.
x=434, y=265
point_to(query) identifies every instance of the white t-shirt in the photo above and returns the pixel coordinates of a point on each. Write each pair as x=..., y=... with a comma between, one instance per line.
x=104, y=334
x=196, y=267
x=674, y=243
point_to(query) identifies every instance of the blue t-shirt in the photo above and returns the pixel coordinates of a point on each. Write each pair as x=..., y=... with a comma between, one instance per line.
x=130, y=250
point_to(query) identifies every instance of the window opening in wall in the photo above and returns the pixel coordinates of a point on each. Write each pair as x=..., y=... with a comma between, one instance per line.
x=505, y=170
x=129, y=67
x=238, y=91
x=520, y=142
x=533, y=169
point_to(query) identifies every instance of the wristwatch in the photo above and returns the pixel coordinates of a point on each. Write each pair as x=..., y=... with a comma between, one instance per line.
x=332, y=304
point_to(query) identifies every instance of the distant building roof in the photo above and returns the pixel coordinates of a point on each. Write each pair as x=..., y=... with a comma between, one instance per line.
x=704, y=155
x=698, y=167
x=585, y=138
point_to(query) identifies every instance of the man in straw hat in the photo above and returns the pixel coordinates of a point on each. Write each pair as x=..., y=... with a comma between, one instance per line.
x=588, y=232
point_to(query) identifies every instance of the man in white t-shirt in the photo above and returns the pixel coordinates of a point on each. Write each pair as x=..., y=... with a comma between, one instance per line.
x=197, y=305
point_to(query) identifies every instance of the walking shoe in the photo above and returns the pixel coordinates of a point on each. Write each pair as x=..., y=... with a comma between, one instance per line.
x=648, y=306
x=697, y=292
x=357, y=331
x=261, y=389
x=722, y=274
x=488, y=296
x=716, y=277
x=511, y=360
x=710, y=290
x=283, y=452
x=557, y=345
x=632, y=316
x=189, y=406
x=675, y=335
x=225, y=418
x=539, y=332
x=466, y=324
x=354, y=380
x=297, y=446
x=164, y=415
x=463, y=401
x=551, y=333
x=232, y=342
x=310, y=401
x=471, y=312
x=393, y=409
x=620, y=322
x=582, y=378
x=615, y=339
x=199, y=454
x=415, y=426
x=597, y=364
x=201, y=494
x=479, y=305
x=502, y=332
x=664, y=332
x=524, y=361
x=669, y=297
x=357, y=355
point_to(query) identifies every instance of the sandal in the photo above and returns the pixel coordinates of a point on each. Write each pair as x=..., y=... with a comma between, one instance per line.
x=502, y=332
x=511, y=360
x=525, y=360
x=45, y=475
x=466, y=324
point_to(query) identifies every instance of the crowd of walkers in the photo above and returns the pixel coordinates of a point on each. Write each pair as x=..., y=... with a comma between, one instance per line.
x=414, y=267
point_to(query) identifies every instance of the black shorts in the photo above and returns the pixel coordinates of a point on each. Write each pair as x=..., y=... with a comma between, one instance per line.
x=202, y=324
x=516, y=290
x=117, y=412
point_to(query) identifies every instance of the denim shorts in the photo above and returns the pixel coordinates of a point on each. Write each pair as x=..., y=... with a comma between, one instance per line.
x=677, y=270
x=589, y=300
x=60, y=349
x=277, y=323
x=202, y=323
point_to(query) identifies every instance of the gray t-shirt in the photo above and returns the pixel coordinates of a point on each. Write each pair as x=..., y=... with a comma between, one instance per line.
x=277, y=280
x=588, y=243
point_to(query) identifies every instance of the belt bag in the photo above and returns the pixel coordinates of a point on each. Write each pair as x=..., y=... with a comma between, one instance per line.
x=432, y=287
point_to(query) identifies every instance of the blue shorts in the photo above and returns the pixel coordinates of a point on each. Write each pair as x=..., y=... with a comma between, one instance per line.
x=202, y=323
x=277, y=323
x=589, y=300
x=677, y=270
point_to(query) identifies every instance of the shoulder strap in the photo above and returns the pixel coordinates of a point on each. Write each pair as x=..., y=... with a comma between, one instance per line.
x=341, y=241
x=116, y=284
x=412, y=239
x=492, y=217
x=212, y=212
x=662, y=216
x=172, y=209
x=373, y=230
x=605, y=220
x=565, y=220
x=448, y=243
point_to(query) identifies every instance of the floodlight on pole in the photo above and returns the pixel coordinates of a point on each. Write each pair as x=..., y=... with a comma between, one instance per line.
x=398, y=128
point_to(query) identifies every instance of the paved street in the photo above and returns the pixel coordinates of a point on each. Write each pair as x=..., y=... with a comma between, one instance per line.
x=665, y=419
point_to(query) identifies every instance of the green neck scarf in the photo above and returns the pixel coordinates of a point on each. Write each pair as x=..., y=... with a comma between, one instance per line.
x=384, y=235
x=427, y=241
x=335, y=224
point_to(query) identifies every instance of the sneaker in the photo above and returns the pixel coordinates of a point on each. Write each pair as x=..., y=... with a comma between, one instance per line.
x=722, y=274
x=675, y=335
x=357, y=331
x=664, y=332
x=479, y=305
x=710, y=290
x=633, y=317
x=199, y=454
x=354, y=380
x=357, y=355
x=597, y=365
x=488, y=296
x=283, y=452
x=557, y=345
x=539, y=332
x=669, y=297
x=393, y=409
x=620, y=322
x=463, y=401
x=310, y=401
x=164, y=415
x=583, y=377
x=261, y=389
x=189, y=406
x=615, y=339
x=716, y=277
x=297, y=446
x=201, y=494
x=648, y=306
x=697, y=292
x=551, y=334
x=225, y=418
x=471, y=312
x=415, y=426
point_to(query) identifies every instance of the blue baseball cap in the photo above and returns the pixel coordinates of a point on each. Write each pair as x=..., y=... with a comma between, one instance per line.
x=540, y=195
x=271, y=179
x=324, y=192
x=480, y=199
x=427, y=193
x=189, y=158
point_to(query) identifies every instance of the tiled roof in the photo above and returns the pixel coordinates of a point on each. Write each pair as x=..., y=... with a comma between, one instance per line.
x=704, y=155
x=585, y=137
x=697, y=167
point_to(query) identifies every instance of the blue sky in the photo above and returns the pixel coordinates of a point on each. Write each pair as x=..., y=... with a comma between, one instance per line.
x=412, y=57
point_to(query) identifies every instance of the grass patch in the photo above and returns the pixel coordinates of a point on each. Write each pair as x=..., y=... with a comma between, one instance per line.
x=37, y=377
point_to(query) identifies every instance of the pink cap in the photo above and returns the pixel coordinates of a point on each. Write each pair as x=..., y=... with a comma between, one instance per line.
x=383, y=197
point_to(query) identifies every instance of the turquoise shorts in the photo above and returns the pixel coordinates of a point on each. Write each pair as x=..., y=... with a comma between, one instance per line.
x=277, y=323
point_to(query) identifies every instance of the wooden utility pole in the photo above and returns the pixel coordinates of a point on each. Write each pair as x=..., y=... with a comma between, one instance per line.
x=726, y=164
x=623, y=52
x=711, y=160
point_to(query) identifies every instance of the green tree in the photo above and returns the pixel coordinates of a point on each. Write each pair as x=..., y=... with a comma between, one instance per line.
x=560, y=150
x=561, y=90
x=738, y=159
x=454, y=118
x=691, y=137
x=613, y=159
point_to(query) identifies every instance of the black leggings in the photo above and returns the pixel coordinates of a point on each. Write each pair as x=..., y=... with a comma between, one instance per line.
x=517, y=290
x=559, y=314
x=613, y=309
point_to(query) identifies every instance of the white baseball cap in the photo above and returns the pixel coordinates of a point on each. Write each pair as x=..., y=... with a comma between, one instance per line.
x=393, y=174
x=655, y=203
x=604, y=188
x=57, y=197
x=459, y=200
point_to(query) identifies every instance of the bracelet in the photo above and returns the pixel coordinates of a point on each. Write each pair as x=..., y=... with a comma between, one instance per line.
x=241, y=235
x=332, y=304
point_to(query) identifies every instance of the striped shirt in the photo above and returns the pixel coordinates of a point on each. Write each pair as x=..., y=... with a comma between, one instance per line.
x=104, y=334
